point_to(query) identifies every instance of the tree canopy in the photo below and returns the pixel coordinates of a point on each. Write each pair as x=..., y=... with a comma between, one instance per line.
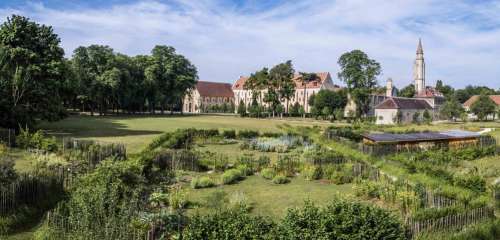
x=408, y=91
x=483, y=107
x=359, y=72
x=32, y=73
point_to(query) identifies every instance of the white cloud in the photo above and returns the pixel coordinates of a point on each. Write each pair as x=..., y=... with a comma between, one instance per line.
x=224, y=41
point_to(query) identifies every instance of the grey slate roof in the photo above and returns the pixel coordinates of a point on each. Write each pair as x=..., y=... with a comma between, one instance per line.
x=423, y=136
x=403, y=103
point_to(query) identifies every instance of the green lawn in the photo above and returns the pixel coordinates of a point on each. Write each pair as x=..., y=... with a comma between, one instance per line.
x=271, y=199
x=137, y=131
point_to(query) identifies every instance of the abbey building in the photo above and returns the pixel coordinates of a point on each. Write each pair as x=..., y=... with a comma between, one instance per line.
x=426, y=102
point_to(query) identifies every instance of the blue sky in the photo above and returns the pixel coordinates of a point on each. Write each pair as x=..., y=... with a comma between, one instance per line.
x=226, y=39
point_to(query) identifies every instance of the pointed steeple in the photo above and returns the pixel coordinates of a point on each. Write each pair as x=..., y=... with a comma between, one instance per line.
x=419, y=48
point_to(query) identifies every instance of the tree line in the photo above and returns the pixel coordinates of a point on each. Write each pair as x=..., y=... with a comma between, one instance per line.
x=38, y=83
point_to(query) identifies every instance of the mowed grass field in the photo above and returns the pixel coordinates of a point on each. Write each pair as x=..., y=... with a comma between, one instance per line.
x=137, y=131
x=273, y=200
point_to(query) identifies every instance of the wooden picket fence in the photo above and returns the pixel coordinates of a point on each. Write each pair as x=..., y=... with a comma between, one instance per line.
x=29, y=190
x=8, y=136
x=449, y=222
x=178, y=160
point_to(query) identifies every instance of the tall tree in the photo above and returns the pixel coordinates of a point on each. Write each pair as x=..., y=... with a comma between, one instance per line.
x=331, y=100
x=408, y=91
x=359, y=72
x=256, y=83
x=306, y=78
x=446, y=90
x=281, y=77
x=483, y=107
x=451, y=109
x=31, y=73
x=97, y=75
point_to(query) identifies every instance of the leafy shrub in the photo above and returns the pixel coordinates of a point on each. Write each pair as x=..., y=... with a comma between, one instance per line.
x=342, y=175
x=7, y=172
x=485, y=231
x=228, y=225
x=435, y=213
x=36, y=140
x=229, y=134
x=231, y=176
x=368, y=189
x=202, y=182
x=248, y=134
x=268, y=173
x=3, y=149
x=475, y=183
x=280, y=179
x=271, y=134
x=350, y=220
x=244, y=170
x=345, y=132
x=311, y=172
x=177, y=198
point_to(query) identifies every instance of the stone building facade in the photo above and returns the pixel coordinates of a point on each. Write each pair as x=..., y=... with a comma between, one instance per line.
x=207, y=94
x=302, y=92
x=401, y=110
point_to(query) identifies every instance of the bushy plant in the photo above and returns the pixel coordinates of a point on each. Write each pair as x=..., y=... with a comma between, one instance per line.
x=7, y=172
x=248, y=134
x=475, y=182
x=351, y=220
x=177, y=198
x=280, y=179
x=36, y=140
x=311, y=172
x=341, y=175
x=268, y=173
x=368, y=189
x=231, y=176
x=244, y=170
x=229, y=134
x=228, y=225
x=202, y=182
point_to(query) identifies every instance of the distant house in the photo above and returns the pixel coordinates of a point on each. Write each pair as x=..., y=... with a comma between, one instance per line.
x=323, y=81
x=206, y=94
x=397, y=109
x=467, y=104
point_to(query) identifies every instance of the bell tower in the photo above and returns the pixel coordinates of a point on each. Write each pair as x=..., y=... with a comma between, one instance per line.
x=419, y=70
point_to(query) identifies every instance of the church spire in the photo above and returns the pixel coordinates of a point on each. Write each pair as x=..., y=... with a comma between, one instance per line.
x=419, y=47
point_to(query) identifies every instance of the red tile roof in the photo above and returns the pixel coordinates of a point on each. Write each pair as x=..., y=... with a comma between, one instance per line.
x=471, y=100
x=321, y=77
x=214, y=89
x=403, y=103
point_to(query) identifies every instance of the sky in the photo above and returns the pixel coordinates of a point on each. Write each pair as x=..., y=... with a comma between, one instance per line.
x=226, y=39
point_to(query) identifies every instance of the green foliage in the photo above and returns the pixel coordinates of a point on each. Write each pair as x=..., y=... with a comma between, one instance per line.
x=311, y=172
x=7, y=172
x=242, y=109
x=463, y=95
x=340, y=219
x=451, y=109
x=294, y=110
x=483, y=107
x=36, y=140
x=359, y=72
x=229, y=134
x=280, y=179
x=229, y=225
x=483, y=231
x=435, y=213
x=408, y=91
x=216, y=200
x=202, y=182
x=473, y=182
x=231, y=176
x=328, y=102
x=427, y=117
x=345, y=132
x=368, y=189
x=247, y=134
x=33, y=71
x=268, y=173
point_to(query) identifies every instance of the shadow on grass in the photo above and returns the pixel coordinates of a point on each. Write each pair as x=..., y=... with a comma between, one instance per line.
x=88, y=126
